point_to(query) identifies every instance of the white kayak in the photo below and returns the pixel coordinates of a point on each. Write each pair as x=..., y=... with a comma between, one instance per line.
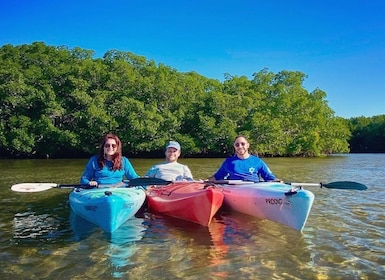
x=109, y=207
x=274, y=201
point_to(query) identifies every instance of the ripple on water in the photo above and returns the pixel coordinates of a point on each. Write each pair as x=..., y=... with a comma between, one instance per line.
x=31, y=225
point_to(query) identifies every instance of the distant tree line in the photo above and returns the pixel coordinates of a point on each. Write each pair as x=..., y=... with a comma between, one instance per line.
x=368, y=134
x=58, y=102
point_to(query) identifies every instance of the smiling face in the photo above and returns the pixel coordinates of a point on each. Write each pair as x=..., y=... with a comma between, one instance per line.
x=241, y=146
x=172, y=154
x=110, y=148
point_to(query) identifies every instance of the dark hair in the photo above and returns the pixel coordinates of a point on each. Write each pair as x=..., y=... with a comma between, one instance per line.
x=241, y=135
x=116, y=158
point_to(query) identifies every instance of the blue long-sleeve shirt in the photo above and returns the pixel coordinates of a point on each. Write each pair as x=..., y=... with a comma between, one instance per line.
x=106, y=175
x=250, y=169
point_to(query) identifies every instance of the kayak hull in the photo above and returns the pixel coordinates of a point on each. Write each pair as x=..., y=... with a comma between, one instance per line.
x=108, y=208
x=191, y=201
x=273, y=201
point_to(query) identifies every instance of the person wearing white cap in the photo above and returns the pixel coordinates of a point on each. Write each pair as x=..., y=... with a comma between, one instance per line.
x=170, y=169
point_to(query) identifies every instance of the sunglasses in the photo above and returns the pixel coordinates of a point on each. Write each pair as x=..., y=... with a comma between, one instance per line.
x=110, y=145
x=240, y=144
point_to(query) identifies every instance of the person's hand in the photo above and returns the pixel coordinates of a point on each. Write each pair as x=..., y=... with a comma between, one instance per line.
x=211, y=179
x=93, y=183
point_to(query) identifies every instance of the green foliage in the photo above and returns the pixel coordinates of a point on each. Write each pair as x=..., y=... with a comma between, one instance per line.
x=59, y=102
x=368, y=134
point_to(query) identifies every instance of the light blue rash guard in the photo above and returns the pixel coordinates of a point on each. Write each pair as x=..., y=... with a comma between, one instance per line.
x=106, y=175
x=249, y=169
x=170, y=171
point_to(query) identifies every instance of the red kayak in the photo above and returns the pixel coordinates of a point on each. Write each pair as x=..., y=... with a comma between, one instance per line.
x=192, y=201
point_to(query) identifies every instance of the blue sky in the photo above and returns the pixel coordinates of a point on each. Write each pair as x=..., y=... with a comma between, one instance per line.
x=339, y=44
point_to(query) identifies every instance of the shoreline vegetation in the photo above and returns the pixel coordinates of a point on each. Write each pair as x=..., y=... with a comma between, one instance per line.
x=56, y=102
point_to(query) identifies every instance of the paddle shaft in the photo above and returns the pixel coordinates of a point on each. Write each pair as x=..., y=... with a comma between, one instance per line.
x=84, y=186
x=342, y=185
x=130, y=183
x=305, y=184
x=39, y=187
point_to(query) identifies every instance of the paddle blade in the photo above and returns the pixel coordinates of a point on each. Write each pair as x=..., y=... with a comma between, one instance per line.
x=346, y=185
x=32, y=187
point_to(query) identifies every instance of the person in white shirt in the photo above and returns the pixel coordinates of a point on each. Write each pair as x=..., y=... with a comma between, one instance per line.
x=170, y=169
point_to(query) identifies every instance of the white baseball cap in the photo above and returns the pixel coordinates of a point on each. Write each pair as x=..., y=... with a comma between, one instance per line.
x=173, y=144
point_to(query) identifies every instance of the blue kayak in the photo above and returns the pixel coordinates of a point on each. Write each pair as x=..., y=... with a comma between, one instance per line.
x=107, y=207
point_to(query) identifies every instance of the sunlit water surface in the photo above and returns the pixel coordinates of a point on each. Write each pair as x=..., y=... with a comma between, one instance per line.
x=344, y=238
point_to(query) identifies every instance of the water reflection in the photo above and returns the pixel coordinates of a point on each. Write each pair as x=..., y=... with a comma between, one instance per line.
x=121, y=244
x=203, y=247
x=232, y=243
x=257, y=247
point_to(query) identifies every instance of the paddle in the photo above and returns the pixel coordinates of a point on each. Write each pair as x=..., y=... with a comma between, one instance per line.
x=342, y=185
x=39, y=187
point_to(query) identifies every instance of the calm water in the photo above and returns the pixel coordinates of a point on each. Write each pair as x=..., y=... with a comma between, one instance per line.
x=344, y=237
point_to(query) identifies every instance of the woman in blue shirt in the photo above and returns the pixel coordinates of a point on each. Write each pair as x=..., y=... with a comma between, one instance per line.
x=243, y=165
x=109, y=166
